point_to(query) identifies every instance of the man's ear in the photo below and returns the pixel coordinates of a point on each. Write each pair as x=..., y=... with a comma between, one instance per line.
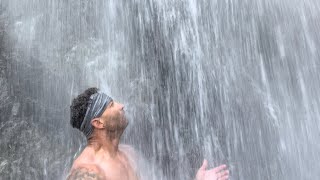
x=96, y=123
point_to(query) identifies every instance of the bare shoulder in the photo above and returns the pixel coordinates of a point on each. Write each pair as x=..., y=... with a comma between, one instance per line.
x=127, y=149
x=133, y=158
x=83, y=168
x=86, y=172
x=130, y=152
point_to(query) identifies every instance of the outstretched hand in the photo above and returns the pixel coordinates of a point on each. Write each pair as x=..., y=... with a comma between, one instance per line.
x=217, y=173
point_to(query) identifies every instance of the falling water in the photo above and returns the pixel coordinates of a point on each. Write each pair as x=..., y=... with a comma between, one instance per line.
x=235, y=82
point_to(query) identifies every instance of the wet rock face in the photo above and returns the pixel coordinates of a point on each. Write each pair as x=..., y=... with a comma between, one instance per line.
x=26, y=143
x=29, y=146
x=5, y=105
x=4, y=108
x=4, y=88
x=4, y=93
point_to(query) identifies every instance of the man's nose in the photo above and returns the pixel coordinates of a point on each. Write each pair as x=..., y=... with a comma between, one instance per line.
x=121, y=106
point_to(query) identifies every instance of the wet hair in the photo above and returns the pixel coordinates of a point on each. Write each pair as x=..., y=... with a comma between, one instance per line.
x=79, y=107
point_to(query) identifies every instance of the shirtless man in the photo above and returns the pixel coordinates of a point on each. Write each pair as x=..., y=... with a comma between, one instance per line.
x=103, y=121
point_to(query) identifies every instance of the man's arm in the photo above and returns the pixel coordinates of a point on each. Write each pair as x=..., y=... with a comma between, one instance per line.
x=84, y=174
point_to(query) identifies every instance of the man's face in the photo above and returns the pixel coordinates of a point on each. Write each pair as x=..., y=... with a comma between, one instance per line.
x=113, y=117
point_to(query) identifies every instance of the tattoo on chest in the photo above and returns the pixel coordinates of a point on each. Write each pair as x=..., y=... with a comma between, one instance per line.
x=84, y=174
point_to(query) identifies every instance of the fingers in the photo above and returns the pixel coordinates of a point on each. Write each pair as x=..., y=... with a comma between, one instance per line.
x=219, y=168
x=223, y=175
x=224, y=178
x=204, y=164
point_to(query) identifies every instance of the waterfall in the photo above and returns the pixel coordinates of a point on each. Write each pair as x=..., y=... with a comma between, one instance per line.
x=235, y=82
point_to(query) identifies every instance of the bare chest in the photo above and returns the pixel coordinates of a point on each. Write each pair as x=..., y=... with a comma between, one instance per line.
x=118, y=170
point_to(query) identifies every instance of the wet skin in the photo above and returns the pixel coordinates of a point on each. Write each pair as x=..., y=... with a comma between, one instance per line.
x=104, y=159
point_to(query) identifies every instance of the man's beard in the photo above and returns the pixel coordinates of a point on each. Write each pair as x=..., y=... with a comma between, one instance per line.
x=116, y=123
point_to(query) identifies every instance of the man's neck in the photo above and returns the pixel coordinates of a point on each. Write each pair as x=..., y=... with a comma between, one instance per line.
x=106, y=143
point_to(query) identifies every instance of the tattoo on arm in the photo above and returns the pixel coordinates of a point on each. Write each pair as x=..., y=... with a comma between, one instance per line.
x=84, y=174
